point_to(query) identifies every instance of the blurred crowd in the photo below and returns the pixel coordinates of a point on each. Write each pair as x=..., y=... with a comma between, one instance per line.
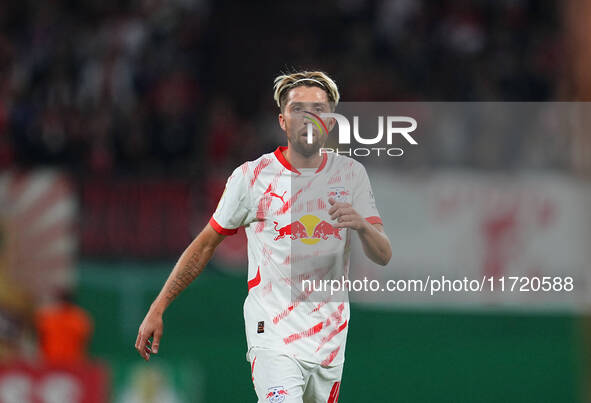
x=116, y=87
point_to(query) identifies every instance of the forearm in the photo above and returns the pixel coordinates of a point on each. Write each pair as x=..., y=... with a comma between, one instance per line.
x=189, y=266
x=376, y=244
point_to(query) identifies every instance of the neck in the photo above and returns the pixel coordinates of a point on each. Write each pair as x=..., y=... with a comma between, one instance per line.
x=297, y=160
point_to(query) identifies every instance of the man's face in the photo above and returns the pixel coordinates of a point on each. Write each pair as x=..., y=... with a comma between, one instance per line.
x=301, y=105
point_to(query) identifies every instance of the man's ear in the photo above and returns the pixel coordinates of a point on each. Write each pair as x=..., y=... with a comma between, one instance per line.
x=282, y=122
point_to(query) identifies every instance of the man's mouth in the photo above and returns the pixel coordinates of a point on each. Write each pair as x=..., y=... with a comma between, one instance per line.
x=304, y=133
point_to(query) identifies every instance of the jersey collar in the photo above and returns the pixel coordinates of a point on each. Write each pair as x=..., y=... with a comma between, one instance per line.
x=281, y=158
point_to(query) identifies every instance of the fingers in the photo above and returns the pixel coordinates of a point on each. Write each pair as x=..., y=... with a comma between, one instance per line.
x=147, y=347
x=334, y=212
x=138, y=343
x=333, y=209
x=353, y=224
x=142, y=349
x=336, y=205
x=137, y=340
x=157, y=336
x=346, y=218
x=341, y=211
x=146, y=350
x=141, y=345
x=148, y=338
x=146, y=354
x=345, y=215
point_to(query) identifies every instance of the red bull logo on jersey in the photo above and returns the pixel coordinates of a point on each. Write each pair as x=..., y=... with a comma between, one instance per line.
x=324, y=231
x=294, y=230
x=309, y=229
x=276, y=394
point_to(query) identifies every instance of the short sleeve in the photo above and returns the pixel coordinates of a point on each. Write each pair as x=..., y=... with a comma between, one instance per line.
x=233, y=207
x=363, y=200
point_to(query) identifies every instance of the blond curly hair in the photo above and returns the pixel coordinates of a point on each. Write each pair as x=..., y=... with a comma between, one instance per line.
x=286, y=82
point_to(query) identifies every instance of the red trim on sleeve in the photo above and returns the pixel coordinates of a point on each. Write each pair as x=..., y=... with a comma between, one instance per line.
x=279, y=155
x=255, y=281
x=374, y=220
x=220, y=229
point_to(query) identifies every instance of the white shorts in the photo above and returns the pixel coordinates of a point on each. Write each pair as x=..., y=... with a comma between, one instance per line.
x=280, y=378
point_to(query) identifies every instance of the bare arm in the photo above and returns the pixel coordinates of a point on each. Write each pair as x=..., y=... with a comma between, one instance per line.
x=189, y=266
x=376, y=244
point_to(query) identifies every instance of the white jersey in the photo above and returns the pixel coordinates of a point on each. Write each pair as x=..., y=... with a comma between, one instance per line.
x=285, y=215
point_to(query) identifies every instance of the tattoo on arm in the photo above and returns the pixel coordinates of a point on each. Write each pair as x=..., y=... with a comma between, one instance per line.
x=189, y=271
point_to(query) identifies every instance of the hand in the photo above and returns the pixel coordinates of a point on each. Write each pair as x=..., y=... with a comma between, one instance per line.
x=151, y=327
x=346, y=216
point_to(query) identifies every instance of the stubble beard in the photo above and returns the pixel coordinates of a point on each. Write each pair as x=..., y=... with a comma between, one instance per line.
x=300, y=144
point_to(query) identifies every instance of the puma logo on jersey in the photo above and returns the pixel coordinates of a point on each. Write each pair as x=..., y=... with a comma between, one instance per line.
x=273, y=194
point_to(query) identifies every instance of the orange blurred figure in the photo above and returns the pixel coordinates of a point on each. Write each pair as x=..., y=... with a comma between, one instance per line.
x=64, y=331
